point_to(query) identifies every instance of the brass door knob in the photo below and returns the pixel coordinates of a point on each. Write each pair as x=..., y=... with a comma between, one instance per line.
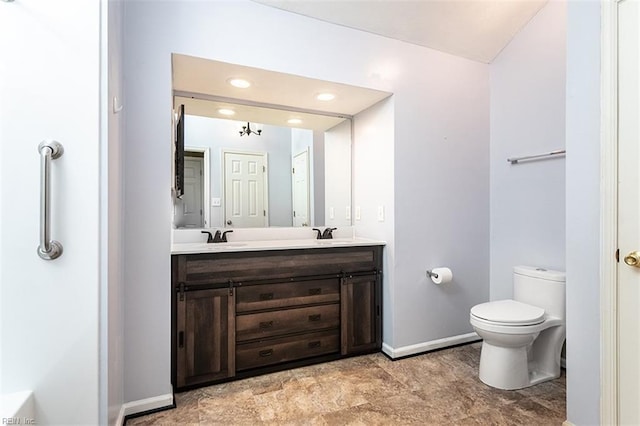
x=633, y=259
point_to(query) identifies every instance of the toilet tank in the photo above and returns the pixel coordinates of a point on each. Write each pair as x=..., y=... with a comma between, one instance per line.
x=540, y=287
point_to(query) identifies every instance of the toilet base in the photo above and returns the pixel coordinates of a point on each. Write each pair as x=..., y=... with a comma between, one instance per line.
x=507, y=368
x=503, y=367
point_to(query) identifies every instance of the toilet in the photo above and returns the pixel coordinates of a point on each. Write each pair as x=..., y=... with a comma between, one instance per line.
x=523, y=337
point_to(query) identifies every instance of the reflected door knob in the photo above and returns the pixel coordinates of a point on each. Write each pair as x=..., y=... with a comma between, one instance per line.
x=229, y=222
x=633, y=259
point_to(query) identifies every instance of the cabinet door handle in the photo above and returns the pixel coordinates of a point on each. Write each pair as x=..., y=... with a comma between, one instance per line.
x=315, y=344
x=266, y=324
x=266, y=296
x=266, y=353
x=316, y=317
x=315, y=291
x=181, y=339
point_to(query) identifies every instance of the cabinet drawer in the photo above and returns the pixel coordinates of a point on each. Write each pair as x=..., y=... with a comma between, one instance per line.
x=220, y=268
x=267, y=296
x=269, y=324
x=273, y=351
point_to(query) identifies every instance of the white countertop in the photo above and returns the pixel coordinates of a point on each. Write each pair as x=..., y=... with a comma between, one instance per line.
x=287, y=244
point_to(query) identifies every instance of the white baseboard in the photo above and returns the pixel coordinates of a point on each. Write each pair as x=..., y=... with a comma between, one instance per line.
x=428, y=346
x=142, y=405
x=120, y=419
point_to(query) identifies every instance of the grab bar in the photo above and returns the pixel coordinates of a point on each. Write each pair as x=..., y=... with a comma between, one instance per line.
x=48, y=249
x=535, y=157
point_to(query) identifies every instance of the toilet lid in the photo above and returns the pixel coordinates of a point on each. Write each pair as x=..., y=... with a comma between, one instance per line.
x=509, y=312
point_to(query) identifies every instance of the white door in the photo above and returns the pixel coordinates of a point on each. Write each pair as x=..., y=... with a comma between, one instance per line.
x=629, y=213
x=244, y=190
x=300, y=176
x=192, y=200
x=50, y=81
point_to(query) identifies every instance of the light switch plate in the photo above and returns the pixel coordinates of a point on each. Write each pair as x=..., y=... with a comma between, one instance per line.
x=357, y=212
x=380, y=213
x=332, y=214
x=215, y=202
x=347, y=214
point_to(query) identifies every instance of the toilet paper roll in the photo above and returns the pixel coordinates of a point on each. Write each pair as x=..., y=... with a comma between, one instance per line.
x=444, y=275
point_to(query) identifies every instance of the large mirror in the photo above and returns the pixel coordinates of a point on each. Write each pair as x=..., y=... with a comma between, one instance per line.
x=292, y=169
x=262, y=167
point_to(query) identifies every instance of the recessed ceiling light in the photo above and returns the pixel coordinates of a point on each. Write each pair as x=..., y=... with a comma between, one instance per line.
x=226, y=111
x=325, y=96
x=240, y=83
x=294, y=121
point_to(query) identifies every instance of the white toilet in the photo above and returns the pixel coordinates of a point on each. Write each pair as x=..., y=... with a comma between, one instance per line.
x=523, y=337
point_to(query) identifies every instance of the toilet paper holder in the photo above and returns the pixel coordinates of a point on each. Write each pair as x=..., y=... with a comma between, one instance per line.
x=431, y=274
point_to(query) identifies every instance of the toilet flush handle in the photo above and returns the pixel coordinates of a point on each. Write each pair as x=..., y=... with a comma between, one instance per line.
x=633, y=259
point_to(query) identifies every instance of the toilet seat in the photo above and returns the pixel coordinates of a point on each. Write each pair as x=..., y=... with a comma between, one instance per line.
x=509, y=313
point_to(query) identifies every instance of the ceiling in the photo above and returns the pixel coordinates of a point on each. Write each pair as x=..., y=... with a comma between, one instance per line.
x=473, y=29
x=202, y=85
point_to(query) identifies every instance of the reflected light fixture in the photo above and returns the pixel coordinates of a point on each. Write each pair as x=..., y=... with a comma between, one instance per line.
x=240, y=83
x=325, y=96
x=226, y=111
x=246, y=130
x=294, y=121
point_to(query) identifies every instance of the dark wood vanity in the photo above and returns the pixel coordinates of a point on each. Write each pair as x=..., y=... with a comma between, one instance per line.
x=244, y=313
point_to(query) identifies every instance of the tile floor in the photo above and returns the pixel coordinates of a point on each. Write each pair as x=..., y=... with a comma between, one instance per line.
x=437, y=388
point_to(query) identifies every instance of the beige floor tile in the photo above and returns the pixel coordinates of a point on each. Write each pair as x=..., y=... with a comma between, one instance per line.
x=436, y=388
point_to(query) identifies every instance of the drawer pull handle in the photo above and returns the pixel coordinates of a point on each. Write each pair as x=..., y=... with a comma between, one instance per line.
x=181, y=339
x=266, y=324
x=266, y=353
x=315, y=291
x=266, y=296
x=316, y=317
x=315, y=344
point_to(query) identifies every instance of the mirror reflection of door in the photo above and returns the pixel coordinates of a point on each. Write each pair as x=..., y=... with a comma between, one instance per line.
x=192, y=202
x=300, y=176
x=245, y=187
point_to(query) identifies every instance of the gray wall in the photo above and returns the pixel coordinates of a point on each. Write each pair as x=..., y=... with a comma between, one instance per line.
x=112, y=303
x=373, y=186
x=441, y=210
x=583, y=207
x=528, y=117
x=337, y=183
x=434, y=174
x=318, y=178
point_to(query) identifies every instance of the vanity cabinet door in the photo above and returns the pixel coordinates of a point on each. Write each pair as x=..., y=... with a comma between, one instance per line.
x=205, y=343
x=360, y=312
